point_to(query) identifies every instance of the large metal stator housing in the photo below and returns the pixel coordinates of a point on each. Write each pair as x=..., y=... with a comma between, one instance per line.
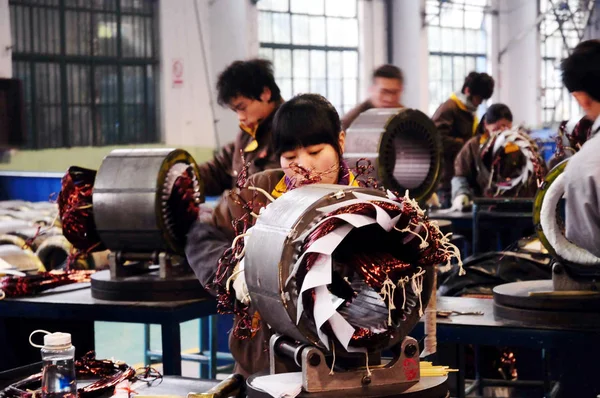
x=135, y=222
x=571, y=297
x=402, y=144
x=275, y=254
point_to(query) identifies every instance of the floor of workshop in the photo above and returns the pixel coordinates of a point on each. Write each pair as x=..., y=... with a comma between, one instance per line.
x=125, y=341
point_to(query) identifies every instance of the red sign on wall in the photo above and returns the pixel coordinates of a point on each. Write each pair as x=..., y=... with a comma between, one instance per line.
x=177, y=72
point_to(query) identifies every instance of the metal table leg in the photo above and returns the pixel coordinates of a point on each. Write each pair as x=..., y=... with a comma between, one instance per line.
x=147, y=359
x=171, y=348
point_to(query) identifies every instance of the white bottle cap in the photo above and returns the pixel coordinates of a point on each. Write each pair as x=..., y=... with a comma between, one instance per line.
x=57, y=339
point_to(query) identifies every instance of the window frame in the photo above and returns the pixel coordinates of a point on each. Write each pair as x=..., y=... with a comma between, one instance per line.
x=29, y=58
x=346, y=103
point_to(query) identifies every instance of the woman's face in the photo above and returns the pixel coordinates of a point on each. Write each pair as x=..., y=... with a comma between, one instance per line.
x=321, y=161
x=500, y=125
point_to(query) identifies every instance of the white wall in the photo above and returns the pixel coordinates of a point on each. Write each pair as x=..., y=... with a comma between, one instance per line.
x=234, y=35
x=229, y=33
x=186, y=118
x=410, y=51
x=518, y=78
x=5, y=42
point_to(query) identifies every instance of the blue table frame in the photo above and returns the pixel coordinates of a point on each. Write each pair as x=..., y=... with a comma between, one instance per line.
x=79, y=305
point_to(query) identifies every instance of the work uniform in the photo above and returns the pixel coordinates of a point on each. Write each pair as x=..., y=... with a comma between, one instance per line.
x=582, y=190
x=456, y=122
x=220, y=173
x=207, y=241
x=472, y=177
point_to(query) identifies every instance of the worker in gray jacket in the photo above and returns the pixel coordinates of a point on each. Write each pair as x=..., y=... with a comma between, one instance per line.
x=581, y=76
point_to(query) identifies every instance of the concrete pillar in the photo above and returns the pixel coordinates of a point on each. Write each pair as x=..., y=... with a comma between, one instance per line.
x=518, y=59
x=185, y=112
x=233, y=36
x=5, y=41
x=372, y=47
x=410, y=51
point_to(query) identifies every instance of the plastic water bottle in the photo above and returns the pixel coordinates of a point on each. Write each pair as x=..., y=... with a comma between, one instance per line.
x=58, y=371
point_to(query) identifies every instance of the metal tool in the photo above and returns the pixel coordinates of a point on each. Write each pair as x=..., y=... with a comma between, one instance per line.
x=232, y=386
x=446, y=314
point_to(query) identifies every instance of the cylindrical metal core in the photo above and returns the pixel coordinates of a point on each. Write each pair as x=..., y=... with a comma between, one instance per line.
x=403, y=145
x=274, y=247
x=130, y=194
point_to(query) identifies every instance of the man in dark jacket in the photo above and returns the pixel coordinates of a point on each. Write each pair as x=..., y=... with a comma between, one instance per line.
x=249, y=89
x=456, y=121
x=385, y=92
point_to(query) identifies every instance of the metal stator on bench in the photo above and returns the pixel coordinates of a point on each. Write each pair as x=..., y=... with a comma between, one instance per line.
x=134, y=221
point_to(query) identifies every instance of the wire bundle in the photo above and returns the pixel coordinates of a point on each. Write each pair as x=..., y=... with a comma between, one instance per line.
x=110, y=374
x=19, y=286
x=512, y=161
x=383, y=260
x=76, y=209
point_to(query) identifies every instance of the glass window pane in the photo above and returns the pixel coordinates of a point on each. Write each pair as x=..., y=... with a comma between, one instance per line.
x=301, y=86
x=350, y=64
x=469, y=65
x=314, y=7
x=318, y=64
x=474, y=19
x=273, y=5
x=471, y=41
x=319, y=86
x=481, y=64
x=281, y=28
x=265, y=53
x=334, y=65
x=334, y=92
x=350, y=92
x=459, y=40
x=340, y=8
x=481, y=43
x=446, y=66
x=433, y=36
x=447, y=45
x=285, y=85
x=282, y=63
x=301, y=64
x=317, y=31
x=458, y=69
x=300, y=28
x=342, y=32
x=265, y=28
x=435, y=68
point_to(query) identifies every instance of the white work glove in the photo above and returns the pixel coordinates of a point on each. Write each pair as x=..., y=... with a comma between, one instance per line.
x=239, y=285
x=433, y=201
x=460, y=202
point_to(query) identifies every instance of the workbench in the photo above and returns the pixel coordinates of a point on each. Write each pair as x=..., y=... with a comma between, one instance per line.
x=489, y=330
x=77, y=304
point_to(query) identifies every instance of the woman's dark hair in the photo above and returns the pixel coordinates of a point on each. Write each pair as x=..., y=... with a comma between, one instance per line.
x=248, y=79
x=480, y=84
x=305, y=120
x=581, y=69
x=494, y=113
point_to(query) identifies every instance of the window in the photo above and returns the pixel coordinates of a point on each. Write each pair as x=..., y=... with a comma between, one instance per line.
x=314, y=47
x=561, y=29
x=88, y=68
x=458, y=44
